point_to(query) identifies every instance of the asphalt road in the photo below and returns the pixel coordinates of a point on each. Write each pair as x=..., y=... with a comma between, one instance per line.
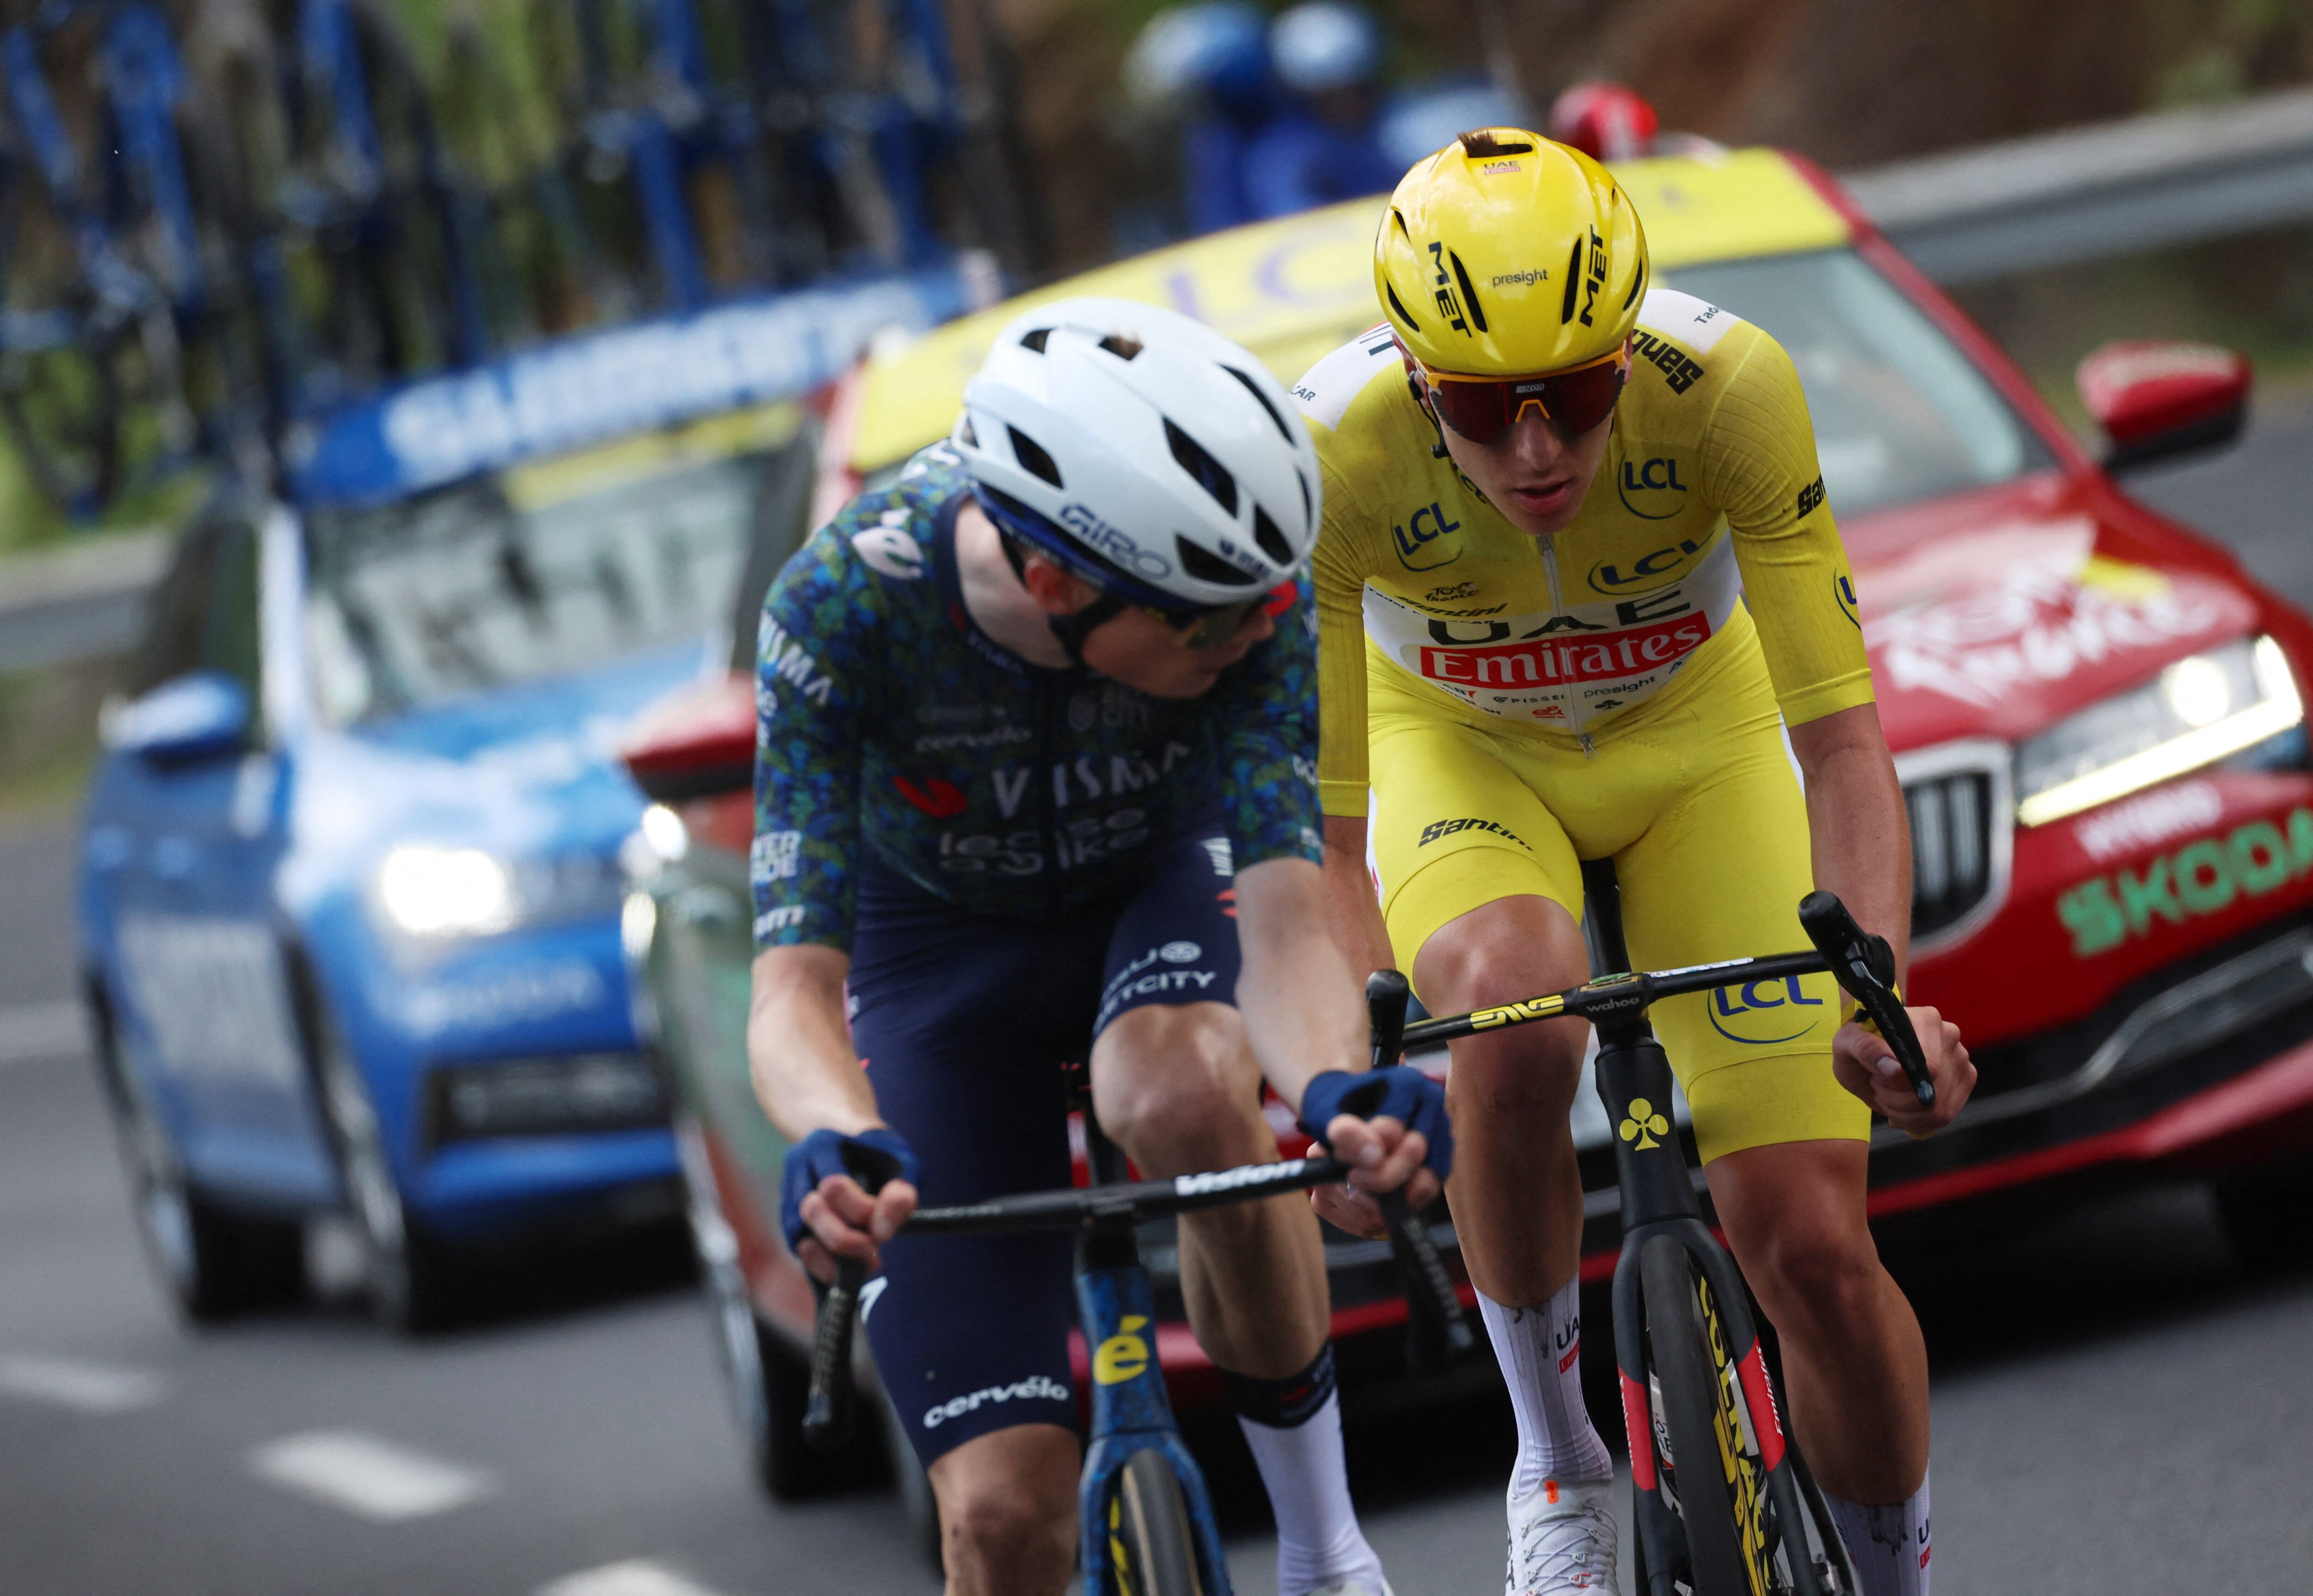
x=2119, y=1401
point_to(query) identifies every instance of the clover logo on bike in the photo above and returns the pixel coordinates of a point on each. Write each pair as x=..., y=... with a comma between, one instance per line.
x=1642, y=1124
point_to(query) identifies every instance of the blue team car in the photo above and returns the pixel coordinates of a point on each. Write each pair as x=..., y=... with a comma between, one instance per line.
x=349, y=883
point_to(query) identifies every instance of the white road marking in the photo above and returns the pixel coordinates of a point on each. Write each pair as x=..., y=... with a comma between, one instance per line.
x=637, y=1577
x=35, y=1031
x=86, y=1388
x=367, y=1476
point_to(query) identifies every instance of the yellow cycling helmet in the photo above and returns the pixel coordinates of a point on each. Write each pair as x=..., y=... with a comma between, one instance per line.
x=1505, y=254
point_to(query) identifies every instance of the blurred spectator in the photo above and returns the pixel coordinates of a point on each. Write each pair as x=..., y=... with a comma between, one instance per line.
x=1208, y=64
x=1605, y=120
x=1418, y=122
x=1325, y=147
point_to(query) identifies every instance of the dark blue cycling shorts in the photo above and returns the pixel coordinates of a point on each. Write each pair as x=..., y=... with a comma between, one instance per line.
x=965, y=1022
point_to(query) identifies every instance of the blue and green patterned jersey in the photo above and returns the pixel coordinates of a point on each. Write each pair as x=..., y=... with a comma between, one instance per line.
x=888, y=721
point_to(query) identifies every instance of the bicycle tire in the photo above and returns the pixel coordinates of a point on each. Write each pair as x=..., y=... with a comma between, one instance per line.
x=1680, y=1360
x=1151, y=1550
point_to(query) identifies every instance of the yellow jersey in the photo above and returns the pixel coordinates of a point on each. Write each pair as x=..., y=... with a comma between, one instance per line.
x=1707, y=511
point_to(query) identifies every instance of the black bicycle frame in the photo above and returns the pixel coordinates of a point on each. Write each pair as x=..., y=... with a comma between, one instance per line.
x=1658, y=1198
x=1657, y=1189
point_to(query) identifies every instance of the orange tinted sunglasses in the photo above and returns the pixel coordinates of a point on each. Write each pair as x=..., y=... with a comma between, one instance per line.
x=1483, y=409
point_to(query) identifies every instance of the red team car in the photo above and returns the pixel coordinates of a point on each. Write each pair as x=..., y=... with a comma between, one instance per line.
x=2097, y=717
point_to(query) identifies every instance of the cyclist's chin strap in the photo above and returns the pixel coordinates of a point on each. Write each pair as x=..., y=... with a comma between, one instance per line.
x=1070, y=629
x=1421, y=402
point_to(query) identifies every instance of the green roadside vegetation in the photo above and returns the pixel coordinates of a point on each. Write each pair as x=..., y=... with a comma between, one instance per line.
x=48, y=735
x=2252, y=293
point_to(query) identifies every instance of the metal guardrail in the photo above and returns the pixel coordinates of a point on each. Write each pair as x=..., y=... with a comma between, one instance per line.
x=2052, y=199
x=78, y=602
x=2088, y=193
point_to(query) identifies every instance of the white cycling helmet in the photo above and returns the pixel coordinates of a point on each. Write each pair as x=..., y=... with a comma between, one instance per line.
x=1143, y=451
x=1325, y=45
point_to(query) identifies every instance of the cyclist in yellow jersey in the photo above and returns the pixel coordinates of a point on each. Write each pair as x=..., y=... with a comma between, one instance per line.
x=1577, y=579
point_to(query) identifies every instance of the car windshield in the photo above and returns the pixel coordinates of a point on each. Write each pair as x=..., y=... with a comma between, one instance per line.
x=1900, y=413
x=543, y=570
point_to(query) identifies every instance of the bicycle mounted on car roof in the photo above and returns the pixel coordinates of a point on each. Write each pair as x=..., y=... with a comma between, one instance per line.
x=152, y=317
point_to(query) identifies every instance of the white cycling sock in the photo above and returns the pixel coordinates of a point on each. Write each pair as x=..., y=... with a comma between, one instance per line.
x=1318, y=1541
x=1889, y=1544
x=1540, y=1350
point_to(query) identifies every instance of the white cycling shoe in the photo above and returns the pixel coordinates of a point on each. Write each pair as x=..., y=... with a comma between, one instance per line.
x=1561, y=1539
x=1355, y=1588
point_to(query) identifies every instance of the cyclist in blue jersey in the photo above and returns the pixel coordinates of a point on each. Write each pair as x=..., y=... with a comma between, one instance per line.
x=1208, y=65
x=1326, y=145
x=1036, y=783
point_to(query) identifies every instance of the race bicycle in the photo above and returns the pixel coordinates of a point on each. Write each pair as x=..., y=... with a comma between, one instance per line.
x=1146, y=1520
x=1750, y=1520
x=1725, y=1505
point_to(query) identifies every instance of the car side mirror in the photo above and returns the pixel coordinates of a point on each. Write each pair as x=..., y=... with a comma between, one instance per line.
x=2156, y=400
x=697, y=743
x=200, y=716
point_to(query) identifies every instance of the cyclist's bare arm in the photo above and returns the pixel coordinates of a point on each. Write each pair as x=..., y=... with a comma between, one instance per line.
x=1356, y=914
x=1305, y=1013
x=1862, y=851
x=807, y=1077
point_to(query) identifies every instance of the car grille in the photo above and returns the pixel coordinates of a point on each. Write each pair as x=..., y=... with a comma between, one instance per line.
x=1960, y=799
x=1951, y=847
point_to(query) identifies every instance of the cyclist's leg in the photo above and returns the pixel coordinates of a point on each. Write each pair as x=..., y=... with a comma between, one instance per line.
x=1007, y=1507
x=1719, y=874
x=962, y=1022
x=1482, y=893
x=1175, y=1083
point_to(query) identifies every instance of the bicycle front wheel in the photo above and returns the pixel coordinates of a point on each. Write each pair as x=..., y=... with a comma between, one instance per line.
x=1151, y=1551
x=1702, y=1458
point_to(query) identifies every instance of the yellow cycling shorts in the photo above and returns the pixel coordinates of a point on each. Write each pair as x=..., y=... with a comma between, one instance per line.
x=1694, y=798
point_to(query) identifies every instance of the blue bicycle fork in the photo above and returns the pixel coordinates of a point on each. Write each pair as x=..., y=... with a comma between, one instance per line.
x=1130, y=1410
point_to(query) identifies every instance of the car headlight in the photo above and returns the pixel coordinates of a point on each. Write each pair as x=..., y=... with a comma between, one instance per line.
x=437, y=892
x=2198, y=710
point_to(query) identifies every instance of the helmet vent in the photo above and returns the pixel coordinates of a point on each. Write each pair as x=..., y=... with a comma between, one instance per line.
x=1262, y=400
x=1035, y=340
x=1272, y=541
x=1308, y=501
x=1469, y=292
x=1033, y=459
x=1573, y=282
x=1123, y=348
x=1399, y=310
x=969, y=434
x=1207, y=567
x=1211, y=474
x=1638, y=284
x=1479, y=144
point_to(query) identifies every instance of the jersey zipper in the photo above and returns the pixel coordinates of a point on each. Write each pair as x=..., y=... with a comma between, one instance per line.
x=1574, y=721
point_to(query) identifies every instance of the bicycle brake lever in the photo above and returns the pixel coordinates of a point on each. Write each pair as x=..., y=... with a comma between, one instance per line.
x=1437, y=1331
x=827, y=1416
x=1866, y=966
